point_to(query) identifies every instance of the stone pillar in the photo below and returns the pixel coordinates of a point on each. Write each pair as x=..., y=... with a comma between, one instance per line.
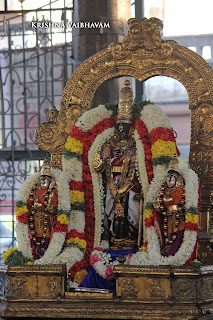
x=88, y=41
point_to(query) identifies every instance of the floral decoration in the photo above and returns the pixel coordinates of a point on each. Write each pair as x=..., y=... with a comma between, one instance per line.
x=92, y=130
x=102, y=263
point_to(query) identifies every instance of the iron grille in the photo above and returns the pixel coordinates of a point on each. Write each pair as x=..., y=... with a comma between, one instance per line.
x=35, y=64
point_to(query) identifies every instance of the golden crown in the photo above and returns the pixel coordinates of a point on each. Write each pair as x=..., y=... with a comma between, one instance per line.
x=46, y=168
x=125, y=106
x=174, y=163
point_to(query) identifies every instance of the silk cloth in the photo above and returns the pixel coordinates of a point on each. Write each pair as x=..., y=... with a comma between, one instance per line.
x=133, y=209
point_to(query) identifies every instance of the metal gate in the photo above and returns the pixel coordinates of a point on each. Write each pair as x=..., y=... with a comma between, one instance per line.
x=35, y=64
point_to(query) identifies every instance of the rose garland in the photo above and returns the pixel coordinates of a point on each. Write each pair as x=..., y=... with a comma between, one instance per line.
x=91, y=131
x=183, y=255
x=102, y=263
x=62, y=220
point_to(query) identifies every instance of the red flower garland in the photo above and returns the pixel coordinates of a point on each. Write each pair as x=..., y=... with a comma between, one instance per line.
x=192, y=226
x=144, y=136
x=162, y=134
x=23, y=218
x=87, y=138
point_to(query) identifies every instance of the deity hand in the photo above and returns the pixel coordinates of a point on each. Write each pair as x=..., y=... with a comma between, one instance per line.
x=51, y=209
x=98, y=162
x=137, y=197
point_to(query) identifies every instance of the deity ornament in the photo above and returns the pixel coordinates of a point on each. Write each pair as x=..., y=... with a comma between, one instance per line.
x=116, y=162
x=42, y=205
x=170, y=208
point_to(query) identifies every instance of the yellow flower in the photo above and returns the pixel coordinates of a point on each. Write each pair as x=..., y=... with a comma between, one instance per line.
x=188, y=217
x=29, y=263
x=21, y=210
x=74, y=145
x=163, y=148
x=143, y=248
x=7, y=253
x=63, y=219
x=79, y=242
x=76, y=196
x=148, y=213
x=195, y=218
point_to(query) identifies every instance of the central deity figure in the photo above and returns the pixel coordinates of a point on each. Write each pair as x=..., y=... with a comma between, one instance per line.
x=112, y=154
x=116, y=162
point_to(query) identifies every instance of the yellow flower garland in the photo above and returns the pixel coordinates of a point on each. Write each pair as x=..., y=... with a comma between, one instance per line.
x=74, y=145
x=63, y=219
x=163, y=148
x=7, y=253
x=79, y=242
x=76, y=196
x=21, y=210
x=148, y=213
x=194, y=218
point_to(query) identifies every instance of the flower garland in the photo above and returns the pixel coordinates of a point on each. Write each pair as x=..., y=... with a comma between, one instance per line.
x=182, y=256
x=102, y=263
x=62, y=219
x=87, y=138
x=91, y=131
x=96, y=182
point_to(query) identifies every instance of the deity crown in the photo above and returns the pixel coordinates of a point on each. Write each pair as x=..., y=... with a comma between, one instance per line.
x=125, y=106
x=46, y=168
x=174, y=163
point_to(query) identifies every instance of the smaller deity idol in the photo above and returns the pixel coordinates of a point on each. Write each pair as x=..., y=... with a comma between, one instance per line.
x=170, y=207
x=116, y=162
x=42, y=205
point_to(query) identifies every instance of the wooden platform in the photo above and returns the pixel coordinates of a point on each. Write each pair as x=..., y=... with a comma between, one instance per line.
x=149, y=293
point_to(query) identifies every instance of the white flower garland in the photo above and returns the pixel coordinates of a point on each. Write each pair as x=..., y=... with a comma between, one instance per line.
x=153, y=255
x=69, y=256
x=58, y=238
x=27, y=185
x=102, y=263
x=73, y=168
x=154, y=117
x=140, y=163
x=77, y=221
x=98, y=197
x=22, y=234
x=93, y=116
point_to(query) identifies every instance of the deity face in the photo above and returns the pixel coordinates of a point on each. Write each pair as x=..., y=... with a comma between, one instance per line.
x=171, y=180
x=123, y=129
x=44, y=182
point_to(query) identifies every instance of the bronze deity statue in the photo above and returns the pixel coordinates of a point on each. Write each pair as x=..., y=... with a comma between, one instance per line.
x=42, y=204
x=116, y=162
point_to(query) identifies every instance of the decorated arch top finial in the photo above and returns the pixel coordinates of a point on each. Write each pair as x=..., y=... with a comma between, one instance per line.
x=144, y=33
